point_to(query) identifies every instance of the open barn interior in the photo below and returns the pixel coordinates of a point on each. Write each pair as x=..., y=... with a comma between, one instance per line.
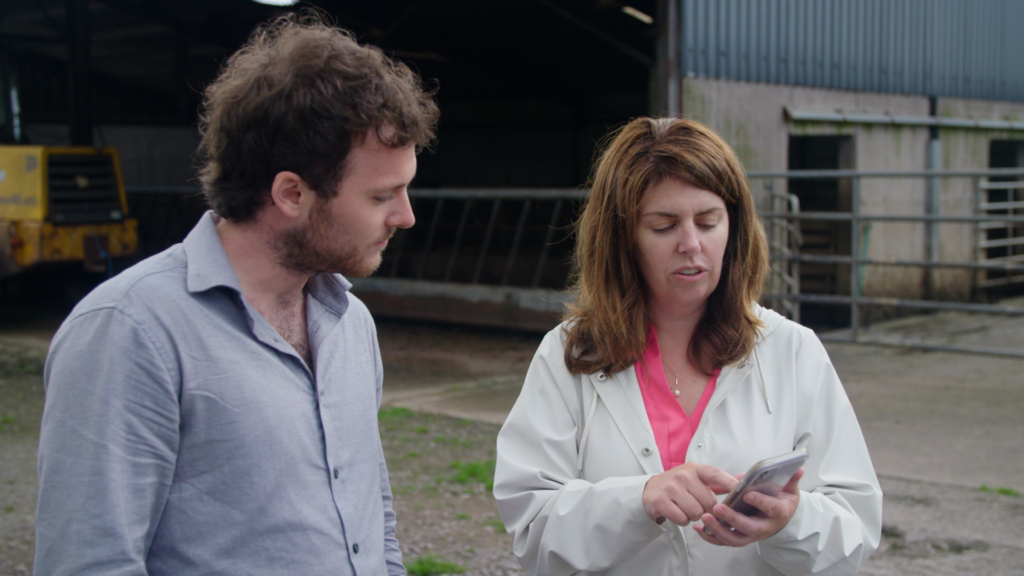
x=527, y=88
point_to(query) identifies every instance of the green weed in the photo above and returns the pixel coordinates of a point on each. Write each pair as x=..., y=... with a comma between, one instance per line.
x=462, y=516
x=1002, y=490
x=412, y=454
x=496, y=523
x=8, y=420
x=421, y=430
x=394, y=413
x=431, y=565
x=481, y=471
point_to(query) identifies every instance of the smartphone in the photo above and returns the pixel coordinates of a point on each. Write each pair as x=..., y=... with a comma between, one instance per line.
x=768, y=476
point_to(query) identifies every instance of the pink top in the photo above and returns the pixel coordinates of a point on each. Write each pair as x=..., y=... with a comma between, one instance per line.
x=673, y=429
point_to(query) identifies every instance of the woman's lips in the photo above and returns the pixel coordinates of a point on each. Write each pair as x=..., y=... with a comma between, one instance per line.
x=690, y=274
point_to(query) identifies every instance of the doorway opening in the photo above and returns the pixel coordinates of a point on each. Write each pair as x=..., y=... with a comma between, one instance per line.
x=821, y=237
x=1003, y=242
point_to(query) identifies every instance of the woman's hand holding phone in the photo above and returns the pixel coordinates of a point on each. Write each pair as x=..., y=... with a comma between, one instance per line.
x=685, y=493
x=774, y=512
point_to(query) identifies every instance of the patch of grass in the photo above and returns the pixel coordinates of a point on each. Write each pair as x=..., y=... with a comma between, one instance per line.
x=441, y=439
x=1002, y=490
x=421, y=430
x=394, y=413
x=462, y=516
x=465, y=422
x=496, y=523
x=9, y=509
x=8, y=420
x=35, y=369
x=480, y=471
x=412, y=454
x=431, y=565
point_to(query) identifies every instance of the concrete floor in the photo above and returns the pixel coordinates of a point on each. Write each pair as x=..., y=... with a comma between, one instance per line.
x=939, y=427
x=941, y=417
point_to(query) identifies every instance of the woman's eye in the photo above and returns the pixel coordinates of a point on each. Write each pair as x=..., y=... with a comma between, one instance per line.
x=663, y=229
x=706, y=226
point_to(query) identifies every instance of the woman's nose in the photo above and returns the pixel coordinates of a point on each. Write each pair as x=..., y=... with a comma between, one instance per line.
x=689, y=242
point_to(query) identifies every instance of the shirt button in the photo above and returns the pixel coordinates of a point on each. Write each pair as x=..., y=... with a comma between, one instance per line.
x=700, y=445
x=647, y=451
x=355, y=548
x=601, y=376
x=335, y=473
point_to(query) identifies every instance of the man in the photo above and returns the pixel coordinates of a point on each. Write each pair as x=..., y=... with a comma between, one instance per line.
x=213, y=410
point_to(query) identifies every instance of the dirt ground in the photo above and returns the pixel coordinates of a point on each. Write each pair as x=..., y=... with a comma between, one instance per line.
x=939, y=427
x=944, y=430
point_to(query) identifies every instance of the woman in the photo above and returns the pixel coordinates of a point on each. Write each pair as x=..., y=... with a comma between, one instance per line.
x=666, y=380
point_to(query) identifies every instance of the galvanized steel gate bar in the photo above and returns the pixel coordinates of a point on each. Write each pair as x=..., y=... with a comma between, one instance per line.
x=527, y=305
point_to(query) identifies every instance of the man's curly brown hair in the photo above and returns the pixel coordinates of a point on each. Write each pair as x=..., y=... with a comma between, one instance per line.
x=298, y=97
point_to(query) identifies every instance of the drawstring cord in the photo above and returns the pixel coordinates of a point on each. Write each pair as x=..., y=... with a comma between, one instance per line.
x=593, y=408
x=764, y=388
x=586, y=432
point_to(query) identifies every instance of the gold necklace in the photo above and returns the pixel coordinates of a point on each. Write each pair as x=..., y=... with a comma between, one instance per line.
x=675, y=389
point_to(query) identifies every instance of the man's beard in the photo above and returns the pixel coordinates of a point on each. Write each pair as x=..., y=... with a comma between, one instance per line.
x=307, y=250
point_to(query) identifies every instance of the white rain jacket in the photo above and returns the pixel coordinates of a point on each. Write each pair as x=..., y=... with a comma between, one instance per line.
x=786, y=396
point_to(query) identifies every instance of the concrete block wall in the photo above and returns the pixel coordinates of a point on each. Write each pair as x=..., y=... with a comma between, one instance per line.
x=750, y=117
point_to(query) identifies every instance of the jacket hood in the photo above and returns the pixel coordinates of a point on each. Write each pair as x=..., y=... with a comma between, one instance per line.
x=771, y=319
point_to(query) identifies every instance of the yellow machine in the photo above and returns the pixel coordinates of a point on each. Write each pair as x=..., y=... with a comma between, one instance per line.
x=62, y=204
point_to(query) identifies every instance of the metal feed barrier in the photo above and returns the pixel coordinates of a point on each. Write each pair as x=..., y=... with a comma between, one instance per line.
x=1005, y=216
x=500, y=256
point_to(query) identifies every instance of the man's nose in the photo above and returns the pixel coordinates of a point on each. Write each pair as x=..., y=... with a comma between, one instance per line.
x=402, y=217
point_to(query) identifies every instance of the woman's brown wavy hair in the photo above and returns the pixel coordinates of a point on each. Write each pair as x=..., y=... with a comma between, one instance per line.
x=607, y=323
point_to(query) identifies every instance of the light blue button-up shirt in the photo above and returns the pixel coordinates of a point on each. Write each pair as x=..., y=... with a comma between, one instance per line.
x=182, y=435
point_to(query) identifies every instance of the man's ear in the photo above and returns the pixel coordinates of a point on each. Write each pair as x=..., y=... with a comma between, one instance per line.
x=291, y=195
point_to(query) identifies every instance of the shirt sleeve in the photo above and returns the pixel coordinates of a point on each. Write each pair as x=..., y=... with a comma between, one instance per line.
x=392, y=552
x=107, y=446
x=838, y=523
x=562, y=524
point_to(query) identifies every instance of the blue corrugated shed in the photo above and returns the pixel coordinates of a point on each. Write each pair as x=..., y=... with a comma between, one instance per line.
x=953, y=48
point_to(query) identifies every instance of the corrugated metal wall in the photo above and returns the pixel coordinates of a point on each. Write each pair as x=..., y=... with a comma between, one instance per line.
x=953, y=48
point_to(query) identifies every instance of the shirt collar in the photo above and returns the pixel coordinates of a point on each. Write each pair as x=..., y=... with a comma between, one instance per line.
x=208, y=267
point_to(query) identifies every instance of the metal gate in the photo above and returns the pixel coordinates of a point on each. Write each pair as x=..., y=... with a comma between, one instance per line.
x=999, y=242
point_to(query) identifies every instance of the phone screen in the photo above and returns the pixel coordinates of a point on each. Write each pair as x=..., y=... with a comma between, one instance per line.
x=767, y=476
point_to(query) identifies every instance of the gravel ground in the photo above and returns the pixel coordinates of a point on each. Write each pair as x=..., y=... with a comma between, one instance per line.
x=441, y=466
x=21, y=405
